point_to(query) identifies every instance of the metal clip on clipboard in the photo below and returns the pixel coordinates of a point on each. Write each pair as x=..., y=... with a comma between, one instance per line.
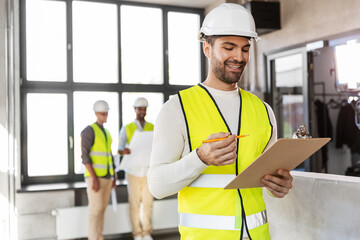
x=301, y=132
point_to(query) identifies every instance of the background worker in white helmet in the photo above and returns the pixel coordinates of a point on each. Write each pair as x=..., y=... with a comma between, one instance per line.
x=99, y=173
x=181, y=162
x=138, y=189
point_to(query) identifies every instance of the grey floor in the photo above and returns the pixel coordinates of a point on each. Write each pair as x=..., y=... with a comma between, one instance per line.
x=170, y=234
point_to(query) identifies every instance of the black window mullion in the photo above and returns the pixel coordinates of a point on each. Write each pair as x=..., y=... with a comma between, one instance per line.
x=70, y=144
x=70, y=91
x=22, y=34
x=120, y=84
x=69, y=41
x=165, y=50
x=202, y=56
x=24, y=158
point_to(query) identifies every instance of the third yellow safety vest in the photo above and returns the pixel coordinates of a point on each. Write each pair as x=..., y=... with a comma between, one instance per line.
x=132, y=127
x=207, y=211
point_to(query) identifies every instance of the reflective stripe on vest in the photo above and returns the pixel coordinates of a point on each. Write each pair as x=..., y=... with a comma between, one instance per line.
x=220, y=222
x=204, y=204
x=100, y=153
x=132, y=127
x=102, y=166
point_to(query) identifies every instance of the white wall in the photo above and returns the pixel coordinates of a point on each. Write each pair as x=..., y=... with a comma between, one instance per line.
x=33, y=211
x=70, y=222
x=4, y=144
x=304, y=21
x=318, y=207
x=4, y=194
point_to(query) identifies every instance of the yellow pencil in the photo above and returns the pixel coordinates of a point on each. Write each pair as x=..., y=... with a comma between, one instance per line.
x=218, y=139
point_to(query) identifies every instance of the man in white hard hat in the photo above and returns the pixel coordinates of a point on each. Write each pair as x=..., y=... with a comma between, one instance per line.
x=138, y=189
x=99, y=173
x=217, y=108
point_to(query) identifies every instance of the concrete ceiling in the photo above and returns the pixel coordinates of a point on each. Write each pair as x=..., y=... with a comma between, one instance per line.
x=181, y=3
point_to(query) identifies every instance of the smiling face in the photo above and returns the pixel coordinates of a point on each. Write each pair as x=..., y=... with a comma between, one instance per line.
x=228, y=57
x=140, y=113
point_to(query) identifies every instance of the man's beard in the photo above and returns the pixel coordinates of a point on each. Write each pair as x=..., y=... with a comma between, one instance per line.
x=226, y=76
x=140, y=116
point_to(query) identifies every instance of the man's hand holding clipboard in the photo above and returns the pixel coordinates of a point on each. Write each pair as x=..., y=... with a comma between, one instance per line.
x=284, y=154
x=280, y=184
x=220, y=149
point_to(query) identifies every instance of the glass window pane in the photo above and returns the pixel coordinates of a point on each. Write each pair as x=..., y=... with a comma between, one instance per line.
x=184, y=48
x=347, y=59
x=47, y=134
x=289, y=71
x=141, y=45
x=155, y=100
x=292, y=113
x=84, y=116
x=46, y=41
x=95, y=42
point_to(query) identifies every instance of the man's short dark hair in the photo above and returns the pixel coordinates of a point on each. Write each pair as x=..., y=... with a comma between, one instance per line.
x=211, y=39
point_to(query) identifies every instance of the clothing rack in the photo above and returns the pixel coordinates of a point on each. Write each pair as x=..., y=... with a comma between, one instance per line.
x=323, y=93
x=342, y=96
x=333, y=94
x=336, y=101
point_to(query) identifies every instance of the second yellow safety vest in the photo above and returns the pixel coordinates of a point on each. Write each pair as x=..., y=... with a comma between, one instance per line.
x=206, y=210
x=132, y=127
x=100, y=153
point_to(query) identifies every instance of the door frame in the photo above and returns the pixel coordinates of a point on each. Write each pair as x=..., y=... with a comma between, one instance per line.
x=270, y=82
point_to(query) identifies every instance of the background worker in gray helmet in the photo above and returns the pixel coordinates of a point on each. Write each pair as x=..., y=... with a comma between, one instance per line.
x=99, y=174
x=217, y=108
x=138, y=189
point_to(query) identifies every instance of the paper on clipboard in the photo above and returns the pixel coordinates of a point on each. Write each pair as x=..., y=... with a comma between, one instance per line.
x=284, y=153
x=140, y=147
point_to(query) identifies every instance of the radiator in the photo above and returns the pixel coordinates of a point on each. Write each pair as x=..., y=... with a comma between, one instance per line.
x=72, y=222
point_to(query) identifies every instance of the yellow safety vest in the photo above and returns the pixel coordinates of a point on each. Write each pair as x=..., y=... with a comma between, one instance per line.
x=100, y=153
x=132, y=127
x=207, y=211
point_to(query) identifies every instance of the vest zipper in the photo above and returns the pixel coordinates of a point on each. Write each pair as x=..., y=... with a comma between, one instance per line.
x=244, y=226
x=243, y=215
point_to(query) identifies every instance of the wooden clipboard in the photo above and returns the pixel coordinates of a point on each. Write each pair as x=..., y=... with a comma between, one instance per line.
x=284, y=153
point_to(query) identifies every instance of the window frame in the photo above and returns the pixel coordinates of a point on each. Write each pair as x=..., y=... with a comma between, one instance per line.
x=69, y=86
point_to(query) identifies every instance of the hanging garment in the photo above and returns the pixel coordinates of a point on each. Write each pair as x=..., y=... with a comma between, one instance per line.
x=346, y=131
x=324, y=126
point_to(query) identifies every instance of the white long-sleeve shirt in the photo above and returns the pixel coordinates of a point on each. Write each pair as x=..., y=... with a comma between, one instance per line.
x=172, y=165
x=138, y=171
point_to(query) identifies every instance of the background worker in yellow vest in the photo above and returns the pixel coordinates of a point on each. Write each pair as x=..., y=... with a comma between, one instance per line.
x=138, y=189
x=99, y=173
x=181, y=162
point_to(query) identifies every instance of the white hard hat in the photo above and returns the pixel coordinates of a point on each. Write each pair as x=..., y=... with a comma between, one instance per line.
x=101, y=106
x=228, y=19
x=141, y=102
